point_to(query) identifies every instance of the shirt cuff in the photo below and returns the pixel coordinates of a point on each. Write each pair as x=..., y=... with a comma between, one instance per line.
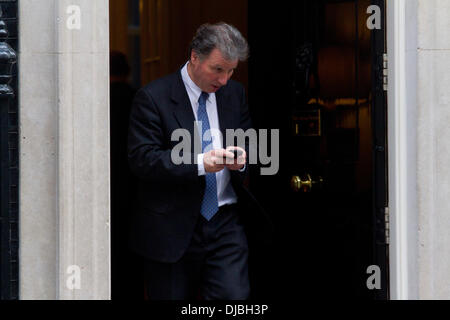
x=200, y=165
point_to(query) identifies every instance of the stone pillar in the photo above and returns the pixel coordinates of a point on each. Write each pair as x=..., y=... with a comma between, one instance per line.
x=64, y=107
x=433, y=148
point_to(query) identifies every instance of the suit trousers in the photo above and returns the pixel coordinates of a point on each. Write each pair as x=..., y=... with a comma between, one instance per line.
x=214, y=267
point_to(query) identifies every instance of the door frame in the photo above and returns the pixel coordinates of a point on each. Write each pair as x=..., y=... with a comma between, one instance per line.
x=402, y=66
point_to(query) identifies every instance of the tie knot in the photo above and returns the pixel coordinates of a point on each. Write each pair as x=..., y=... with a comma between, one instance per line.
x=203, y=97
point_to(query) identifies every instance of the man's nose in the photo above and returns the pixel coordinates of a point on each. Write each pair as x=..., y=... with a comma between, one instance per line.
x=223, y=79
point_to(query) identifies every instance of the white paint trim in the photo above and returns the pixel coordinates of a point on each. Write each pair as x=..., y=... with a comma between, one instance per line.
x=396, y=153
x=401, y=149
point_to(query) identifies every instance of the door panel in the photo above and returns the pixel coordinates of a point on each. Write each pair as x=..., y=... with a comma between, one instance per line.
x=169, y=25
x=155, y=42
x=320, y=92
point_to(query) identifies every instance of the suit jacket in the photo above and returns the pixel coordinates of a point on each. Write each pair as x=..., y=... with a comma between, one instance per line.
x=169, y=196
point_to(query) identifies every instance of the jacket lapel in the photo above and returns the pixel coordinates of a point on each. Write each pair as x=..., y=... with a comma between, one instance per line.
x=225, y=114
x=183, y=111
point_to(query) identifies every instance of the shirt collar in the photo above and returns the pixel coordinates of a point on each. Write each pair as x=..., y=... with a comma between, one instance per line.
x=196, y=91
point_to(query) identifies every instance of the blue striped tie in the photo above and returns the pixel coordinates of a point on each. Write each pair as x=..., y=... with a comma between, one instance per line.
x=210, y=203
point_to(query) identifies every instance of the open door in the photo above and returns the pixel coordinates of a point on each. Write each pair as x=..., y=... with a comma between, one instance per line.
x=323, y=88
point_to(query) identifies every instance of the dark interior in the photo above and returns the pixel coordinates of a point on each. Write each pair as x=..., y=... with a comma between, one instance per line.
x=310, y=76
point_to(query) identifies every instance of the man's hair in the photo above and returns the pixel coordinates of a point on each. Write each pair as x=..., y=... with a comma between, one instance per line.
x=224, y=37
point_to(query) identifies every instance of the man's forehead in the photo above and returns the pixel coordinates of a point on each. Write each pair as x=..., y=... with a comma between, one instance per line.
x=216, y=58
x=225, y=64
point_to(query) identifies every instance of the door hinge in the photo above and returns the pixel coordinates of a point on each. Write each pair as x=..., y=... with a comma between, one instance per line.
x=386, y=224
x=385, y=72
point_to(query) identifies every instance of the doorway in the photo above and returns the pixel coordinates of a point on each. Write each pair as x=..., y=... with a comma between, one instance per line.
x=321, y=86
x=314, y=74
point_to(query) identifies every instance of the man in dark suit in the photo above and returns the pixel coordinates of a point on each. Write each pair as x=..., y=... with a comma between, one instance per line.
x=187, y=226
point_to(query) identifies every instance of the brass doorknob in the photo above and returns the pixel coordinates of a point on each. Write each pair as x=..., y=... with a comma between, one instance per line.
x=306, y=185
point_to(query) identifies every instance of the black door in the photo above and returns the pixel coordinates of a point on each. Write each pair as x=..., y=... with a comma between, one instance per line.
x=315, y=74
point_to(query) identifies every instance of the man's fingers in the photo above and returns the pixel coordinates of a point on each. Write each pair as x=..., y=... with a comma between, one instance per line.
x=221, y=156
x=228, y=154
x=222, y=160
x=223, y=153
x=228, y=157
x=241, y=160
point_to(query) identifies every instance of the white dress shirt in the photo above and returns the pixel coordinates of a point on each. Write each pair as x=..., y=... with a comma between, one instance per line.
x=225, y=192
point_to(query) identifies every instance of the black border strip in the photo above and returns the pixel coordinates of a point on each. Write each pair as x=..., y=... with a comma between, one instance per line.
x=9, y=152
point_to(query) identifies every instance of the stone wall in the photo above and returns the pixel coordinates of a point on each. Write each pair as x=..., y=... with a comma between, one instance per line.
x=64, y=149
x=433, y=148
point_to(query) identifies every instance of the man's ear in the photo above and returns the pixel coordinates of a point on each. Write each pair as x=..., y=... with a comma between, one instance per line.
x=194, y=56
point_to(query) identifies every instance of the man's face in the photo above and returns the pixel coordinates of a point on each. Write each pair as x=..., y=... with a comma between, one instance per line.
x=212, y=72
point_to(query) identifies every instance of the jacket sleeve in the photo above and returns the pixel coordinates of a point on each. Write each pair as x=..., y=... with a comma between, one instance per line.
x=245, y=124
x=149, y=153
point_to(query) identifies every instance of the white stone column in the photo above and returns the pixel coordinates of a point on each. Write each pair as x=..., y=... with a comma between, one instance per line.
x=402, y=147
x=64, y=120
x=433, y=135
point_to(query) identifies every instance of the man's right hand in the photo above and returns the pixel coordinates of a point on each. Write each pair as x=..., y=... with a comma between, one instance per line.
x=214, y=161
